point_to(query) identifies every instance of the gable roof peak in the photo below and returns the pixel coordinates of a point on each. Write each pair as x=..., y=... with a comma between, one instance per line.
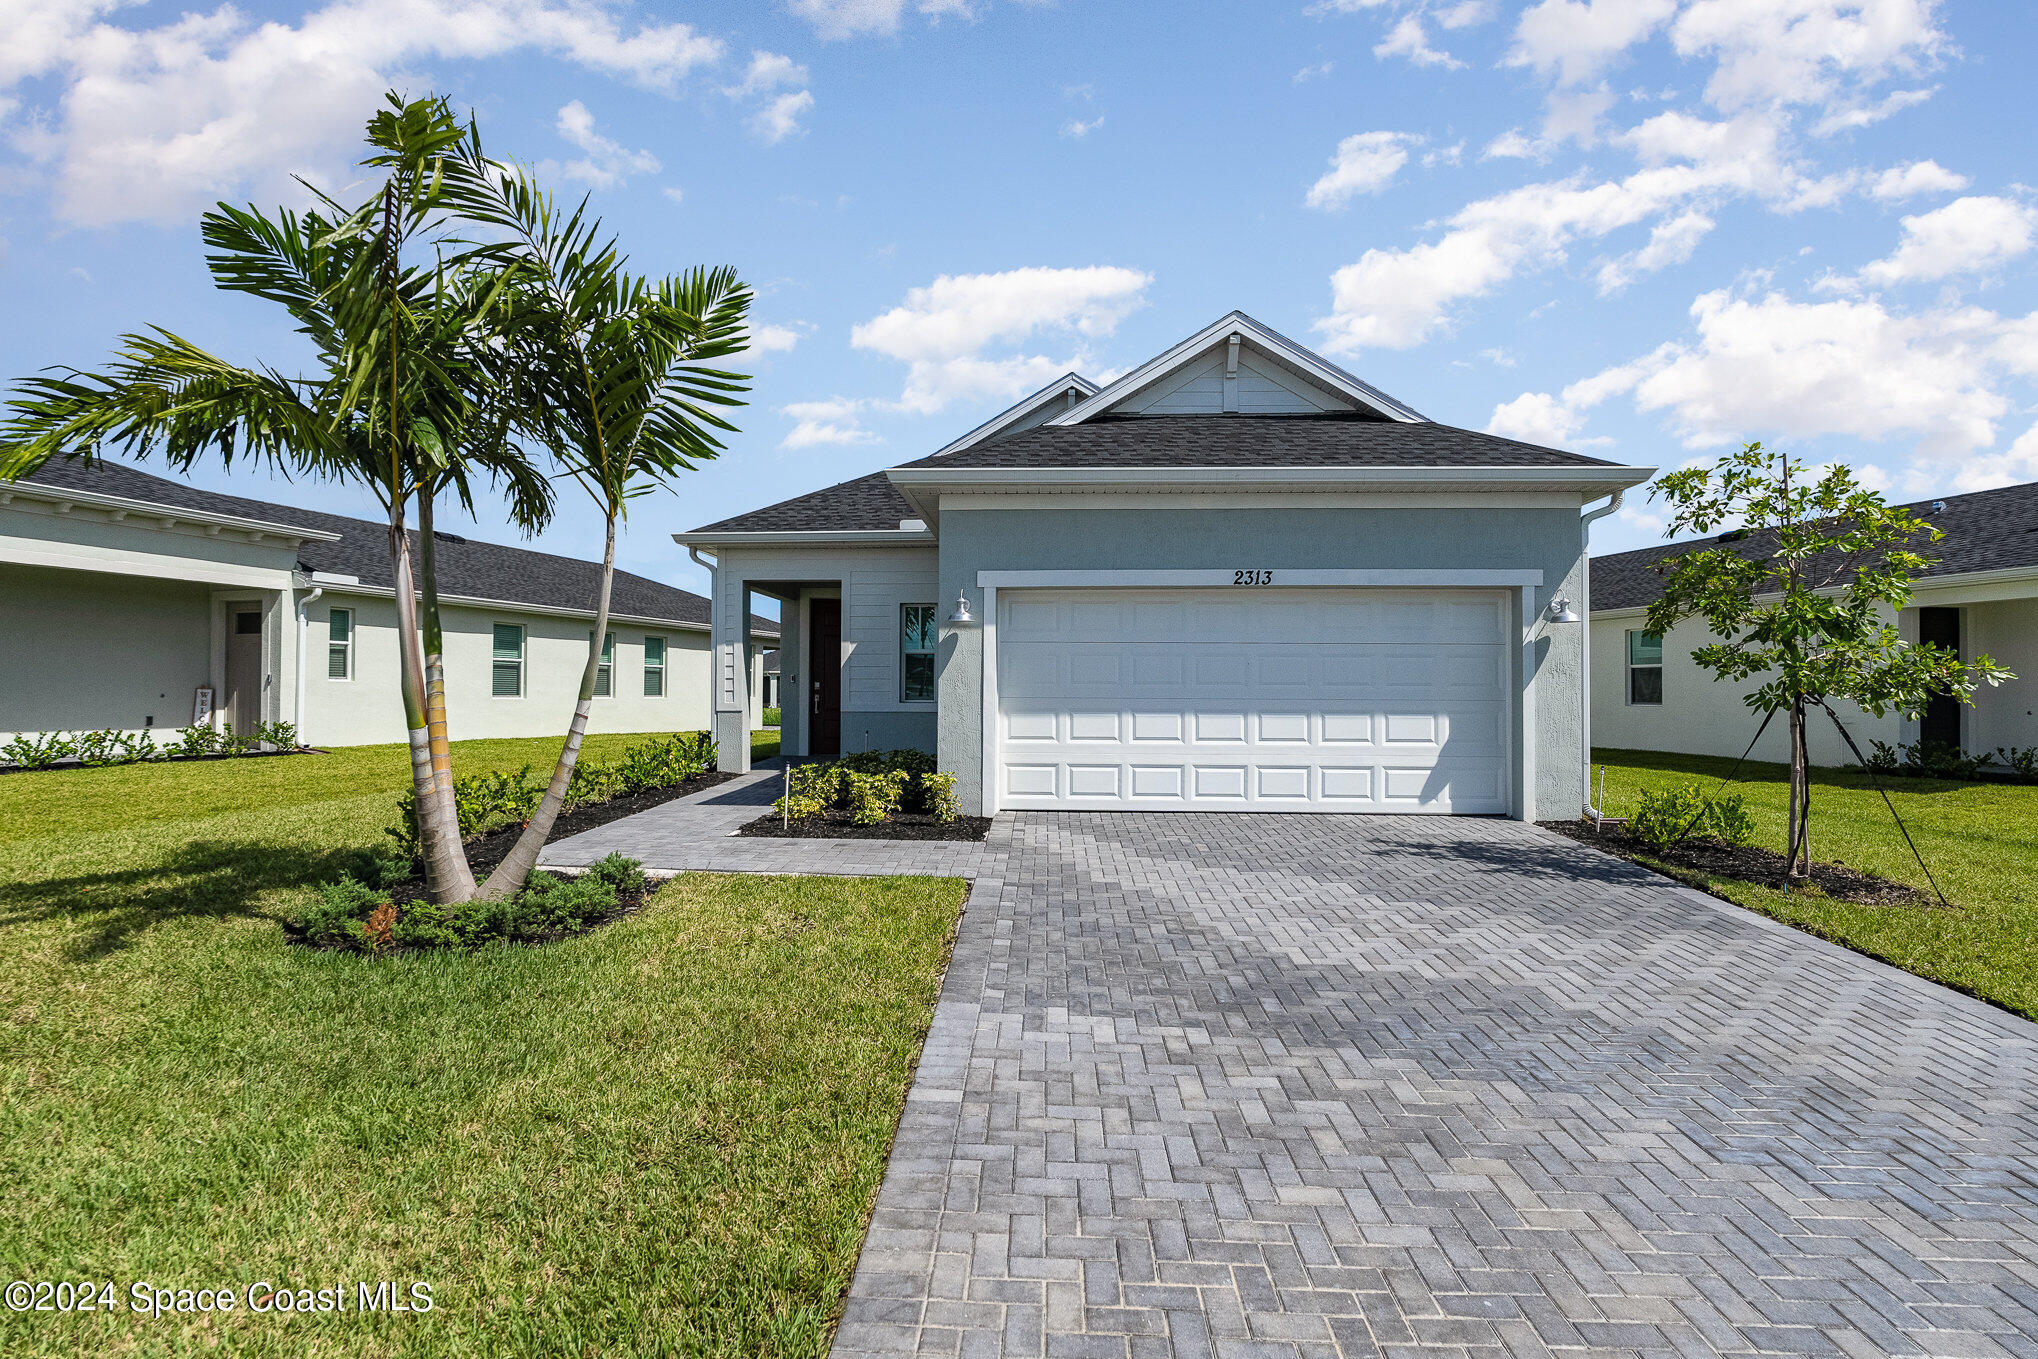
x=1033, y=409
x=1281, y=371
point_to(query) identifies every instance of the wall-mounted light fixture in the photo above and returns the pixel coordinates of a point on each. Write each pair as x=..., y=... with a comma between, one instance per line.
x=962, y=617
x=1560, y=611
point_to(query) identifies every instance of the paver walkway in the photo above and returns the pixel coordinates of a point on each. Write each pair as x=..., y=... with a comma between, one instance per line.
x=697, y=833
x=1314, y=1086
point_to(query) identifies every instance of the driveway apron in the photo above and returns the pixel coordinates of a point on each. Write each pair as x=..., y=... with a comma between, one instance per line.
x=1330, y=1085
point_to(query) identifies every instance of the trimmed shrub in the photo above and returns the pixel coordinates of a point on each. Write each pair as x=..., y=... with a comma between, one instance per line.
x=662, y=764
x=1664, y=818
x=336, y=916
x=193, y=742
x=39, y=751
x=870, y=786
x=624, y=876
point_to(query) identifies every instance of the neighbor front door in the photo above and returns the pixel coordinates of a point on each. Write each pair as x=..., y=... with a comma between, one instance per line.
x=824, y=683
x=243, y=706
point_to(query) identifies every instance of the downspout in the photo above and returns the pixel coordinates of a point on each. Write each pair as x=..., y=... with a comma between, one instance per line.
x=1585, y=645
x=303, y=626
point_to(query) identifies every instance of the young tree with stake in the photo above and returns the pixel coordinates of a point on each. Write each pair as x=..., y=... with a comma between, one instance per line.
x=1804, y=601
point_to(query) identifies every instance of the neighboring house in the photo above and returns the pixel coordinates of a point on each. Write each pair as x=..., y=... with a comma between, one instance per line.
x=1979, y=597
x=122, y=594
x=1237, y=578
x=768, y=682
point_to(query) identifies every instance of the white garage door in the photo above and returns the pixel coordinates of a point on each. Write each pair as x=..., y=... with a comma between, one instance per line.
x=1268, y=699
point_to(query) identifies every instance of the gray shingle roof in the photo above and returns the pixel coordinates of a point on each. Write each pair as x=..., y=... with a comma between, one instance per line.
x=1985, y=531
x=871, y=502
x=1255, y=441
x=866, y=503
x=467, y=567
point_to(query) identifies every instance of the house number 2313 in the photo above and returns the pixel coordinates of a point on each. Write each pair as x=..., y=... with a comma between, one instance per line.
x=1252, y=578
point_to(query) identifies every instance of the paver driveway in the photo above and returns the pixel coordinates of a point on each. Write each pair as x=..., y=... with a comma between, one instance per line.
x=1314, y=1085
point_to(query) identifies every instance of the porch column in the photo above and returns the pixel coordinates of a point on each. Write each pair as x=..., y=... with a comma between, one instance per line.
x=731, y=634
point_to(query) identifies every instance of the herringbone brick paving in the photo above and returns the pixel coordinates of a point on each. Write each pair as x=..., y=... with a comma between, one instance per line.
x=1323, y=1085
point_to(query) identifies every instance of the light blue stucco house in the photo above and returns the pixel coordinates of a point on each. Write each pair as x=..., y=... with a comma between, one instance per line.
x=1237, y=578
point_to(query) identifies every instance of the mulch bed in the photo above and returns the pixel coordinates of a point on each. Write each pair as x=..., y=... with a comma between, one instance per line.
x=484, y=852
x=1762, y=867
x=836, y=825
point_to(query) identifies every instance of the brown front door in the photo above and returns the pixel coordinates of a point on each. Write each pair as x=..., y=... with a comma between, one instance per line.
x=824, y=682
x=243, y=706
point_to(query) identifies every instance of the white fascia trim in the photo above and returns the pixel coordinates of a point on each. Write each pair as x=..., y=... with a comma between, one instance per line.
x=122, y=506
x=1267, y=338
x=818, y=537
x=119, y=562
x=1284, y=478
x=541, y=610
x=1963, y=580
x=1024, y=407
x=1389, y=577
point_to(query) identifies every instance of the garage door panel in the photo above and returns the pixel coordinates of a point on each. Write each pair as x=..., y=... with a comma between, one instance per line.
x=1329, y=700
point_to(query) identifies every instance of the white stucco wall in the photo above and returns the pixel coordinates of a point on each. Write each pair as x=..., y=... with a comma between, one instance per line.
x=368, y=708
x=81, y=650
x=1701, y=715
x=874, y=582
x=2006, y=716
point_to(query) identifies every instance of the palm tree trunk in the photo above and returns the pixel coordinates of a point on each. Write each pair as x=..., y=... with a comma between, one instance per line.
x=515, y=869
x=447, y=877
x=433, y=633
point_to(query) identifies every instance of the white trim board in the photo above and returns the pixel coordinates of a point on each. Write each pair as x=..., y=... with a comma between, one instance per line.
x=1269, y=341
x=1275, y=576
x=1026, y=405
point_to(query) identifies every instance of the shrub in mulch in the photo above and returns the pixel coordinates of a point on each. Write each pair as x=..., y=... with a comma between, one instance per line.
x=360, y=915
x=838, y=824
x=1747, y=863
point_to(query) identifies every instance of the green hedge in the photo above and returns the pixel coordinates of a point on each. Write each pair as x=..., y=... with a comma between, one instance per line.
x=489, y=802
x=358, y=912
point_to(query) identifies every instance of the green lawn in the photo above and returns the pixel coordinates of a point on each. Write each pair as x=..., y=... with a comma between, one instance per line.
x=1980, y=839
x=662, y=1137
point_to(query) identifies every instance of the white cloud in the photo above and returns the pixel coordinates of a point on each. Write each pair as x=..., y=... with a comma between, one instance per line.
x=776, y=85
x=771, y=339
x=1918, y=177
x=768, y=71
x=606, y=162
x=1670, y=242
x=1365, y=162
x=1805, y=51
x=780, y=118
x=1966, y=236
x=836, y=19
x=1398, y=298
x=1316, y=72
x=941, y=331
x=1465, y=13
x=1408, y=38
x=1572, y=41
x=1075, y=129
x=1847, y=117
x=674, y=192
x=821, y=423
x=1536, y=418
x=153, y=123
x=1769, y=367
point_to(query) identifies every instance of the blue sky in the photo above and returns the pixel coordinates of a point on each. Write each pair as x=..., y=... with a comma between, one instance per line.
x=1641, y=229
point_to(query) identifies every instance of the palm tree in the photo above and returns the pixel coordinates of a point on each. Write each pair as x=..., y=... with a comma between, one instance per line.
x=610, y=373
x=400, y=399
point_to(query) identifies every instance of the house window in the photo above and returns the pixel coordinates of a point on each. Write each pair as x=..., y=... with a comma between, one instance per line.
x=340, y=644
x=916, y=653
x=605, y=673
x=1645, y=668
x=508, y=681
x=654, y=667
